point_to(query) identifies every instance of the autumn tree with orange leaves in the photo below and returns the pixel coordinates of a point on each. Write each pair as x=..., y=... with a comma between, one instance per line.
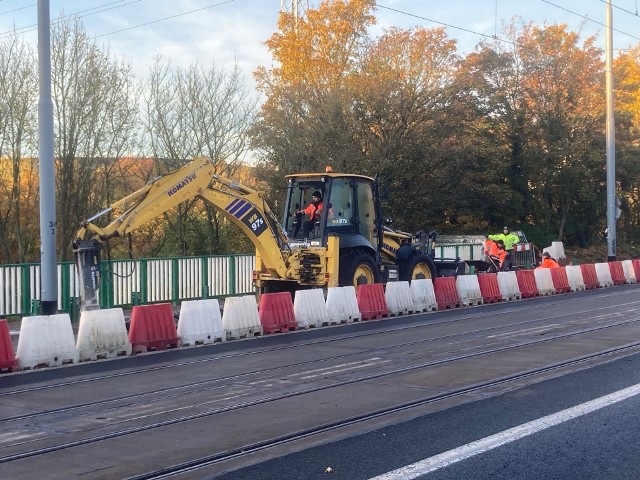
x=513, y=133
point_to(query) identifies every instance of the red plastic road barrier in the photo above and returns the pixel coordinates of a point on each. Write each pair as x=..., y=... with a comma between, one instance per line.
x=636, y=268
x=589, y=276
x=372, y=302
x=617, y=273
x=527, y=283
x=276, y=313
x=7, y=357
x=446, y=292
x=152, y=328
x=489, y=288
x=560, y=280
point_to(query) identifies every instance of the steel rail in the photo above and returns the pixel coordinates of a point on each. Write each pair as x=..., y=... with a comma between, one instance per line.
x=396, y=371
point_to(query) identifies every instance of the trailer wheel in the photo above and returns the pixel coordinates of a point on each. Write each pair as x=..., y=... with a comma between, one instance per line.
x=357, y=268
x=417, y=266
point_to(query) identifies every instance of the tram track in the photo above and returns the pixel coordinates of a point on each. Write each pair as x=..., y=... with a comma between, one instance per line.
x=133, y=399
x=138, y=371
x=245, y=451
x=629, y=347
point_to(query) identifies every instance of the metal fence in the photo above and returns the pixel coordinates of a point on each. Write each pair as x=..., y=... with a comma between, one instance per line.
x=135, y=282
x=463, y=251
x=131, y=282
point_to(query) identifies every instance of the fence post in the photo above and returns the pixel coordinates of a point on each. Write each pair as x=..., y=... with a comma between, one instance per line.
x=106, y=285
x=143, y=281
x=232, y=274
x=25, y=278
x=175, y=280
x=65, y=294
x=205, y=277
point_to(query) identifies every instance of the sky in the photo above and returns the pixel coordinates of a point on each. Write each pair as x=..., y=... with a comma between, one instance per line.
x=225, y=32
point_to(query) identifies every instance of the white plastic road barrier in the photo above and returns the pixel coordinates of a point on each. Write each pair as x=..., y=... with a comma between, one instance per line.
x=508, y=285
x=469, y=290
x=603, y=272
x=576, y=280
x=240, y=317
x=46, y=340
x=629, y=272
x=200, y=322
x=310, y=308
x=398, y=297
x=342, y=305
x=544, y=281
x=558, y=250
x=423, y=295
x=102, y=334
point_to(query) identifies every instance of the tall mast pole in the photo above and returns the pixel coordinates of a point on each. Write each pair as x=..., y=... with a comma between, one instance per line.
x=48, y=267
x=611, y=142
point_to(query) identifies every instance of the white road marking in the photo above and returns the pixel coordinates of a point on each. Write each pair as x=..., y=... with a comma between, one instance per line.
x=525, y=330
x=339, y=370
x=332, y=367
x=472, y=449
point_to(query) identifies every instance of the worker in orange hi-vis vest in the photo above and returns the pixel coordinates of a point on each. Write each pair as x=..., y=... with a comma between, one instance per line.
x=313, y=211
x=548, y=261
x=509, y=240
x=497, y=254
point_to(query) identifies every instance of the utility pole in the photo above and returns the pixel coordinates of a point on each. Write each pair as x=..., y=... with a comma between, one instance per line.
x=296, y=7
x=48, y=266
x=610, y=143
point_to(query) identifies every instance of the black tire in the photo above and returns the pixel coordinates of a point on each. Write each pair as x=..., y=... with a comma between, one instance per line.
x=357, y=268
x=417, y=266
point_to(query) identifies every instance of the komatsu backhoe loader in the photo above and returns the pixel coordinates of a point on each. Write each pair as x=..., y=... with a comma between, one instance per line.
x=347, y=245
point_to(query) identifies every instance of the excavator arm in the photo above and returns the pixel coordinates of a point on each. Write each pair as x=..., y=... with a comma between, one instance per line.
x=242, y=205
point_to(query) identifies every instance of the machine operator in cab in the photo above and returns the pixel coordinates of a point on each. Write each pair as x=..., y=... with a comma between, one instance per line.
x=312, y=212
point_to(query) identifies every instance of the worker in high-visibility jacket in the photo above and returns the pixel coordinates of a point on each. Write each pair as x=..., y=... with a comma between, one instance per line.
x=313, y=212
x=509, y=240
x=497, y=254
x=548, y=261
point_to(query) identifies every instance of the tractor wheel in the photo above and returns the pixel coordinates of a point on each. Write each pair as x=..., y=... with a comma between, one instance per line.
x=417, y=266
x=357, y=268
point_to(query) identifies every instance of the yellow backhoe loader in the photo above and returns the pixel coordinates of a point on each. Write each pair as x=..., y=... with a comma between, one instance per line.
x=347, y=244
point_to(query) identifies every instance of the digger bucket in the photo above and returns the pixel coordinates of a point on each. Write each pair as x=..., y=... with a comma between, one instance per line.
x=87, y=253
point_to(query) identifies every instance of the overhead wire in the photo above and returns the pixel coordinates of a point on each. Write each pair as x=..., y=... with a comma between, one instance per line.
x=165, y=18
x=589, y=19
x=492, y=37
x=79, y=14
x=635, y=14
x=17, y=9
x=495, y=37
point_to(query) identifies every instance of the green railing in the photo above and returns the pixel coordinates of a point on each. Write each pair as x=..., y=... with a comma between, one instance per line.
x=130, y=282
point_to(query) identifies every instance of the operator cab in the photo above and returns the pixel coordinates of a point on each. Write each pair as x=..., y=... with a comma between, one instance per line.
x=348, y=210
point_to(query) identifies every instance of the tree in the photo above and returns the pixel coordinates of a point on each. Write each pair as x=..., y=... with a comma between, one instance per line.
x=542, y=92
x=564, y=92
x=95, y=118
x=191, y=113
x=306, y=120
x=18, y=184
x=627, y=119
x=402, y=95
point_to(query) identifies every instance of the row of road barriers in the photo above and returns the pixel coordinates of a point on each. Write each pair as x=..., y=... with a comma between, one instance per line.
x=48, y=341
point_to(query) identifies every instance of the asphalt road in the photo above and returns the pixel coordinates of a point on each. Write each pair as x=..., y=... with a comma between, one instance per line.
x=604, y=444
x=462, y=378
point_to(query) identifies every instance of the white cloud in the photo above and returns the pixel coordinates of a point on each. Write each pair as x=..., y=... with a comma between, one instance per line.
x=236, y=31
